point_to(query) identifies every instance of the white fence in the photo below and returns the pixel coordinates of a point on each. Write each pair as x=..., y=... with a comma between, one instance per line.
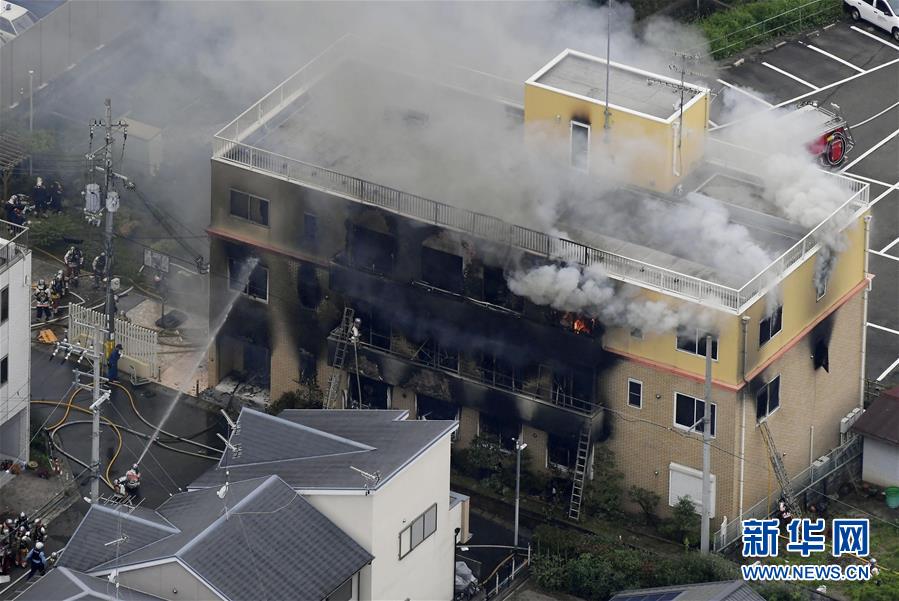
x=139, y=345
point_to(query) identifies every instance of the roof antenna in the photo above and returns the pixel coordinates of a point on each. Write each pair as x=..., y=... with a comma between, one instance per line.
x=235, y=448
x=370, y=479
x=235, y=427
x=224, y=489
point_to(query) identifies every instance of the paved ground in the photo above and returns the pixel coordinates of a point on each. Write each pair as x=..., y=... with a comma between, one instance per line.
x=856, y=67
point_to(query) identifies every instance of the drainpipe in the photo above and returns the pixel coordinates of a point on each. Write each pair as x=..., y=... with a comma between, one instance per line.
x=744, y=325
x=861, y=391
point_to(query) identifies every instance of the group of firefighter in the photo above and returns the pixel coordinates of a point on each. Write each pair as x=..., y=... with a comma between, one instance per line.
x=22, y=545
x=43, y=201
x=47, y=297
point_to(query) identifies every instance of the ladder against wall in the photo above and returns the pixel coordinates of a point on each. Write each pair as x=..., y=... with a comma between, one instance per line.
x=336, y=376
x=580, y=473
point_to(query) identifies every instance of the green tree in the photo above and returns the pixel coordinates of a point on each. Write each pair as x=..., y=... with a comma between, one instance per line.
x=307, y=396
x=684, y=525
x=648, y=502
x=604, y=491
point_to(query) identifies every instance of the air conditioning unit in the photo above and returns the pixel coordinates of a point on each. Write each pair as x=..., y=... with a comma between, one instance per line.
x=820, y=463
x=847, y=422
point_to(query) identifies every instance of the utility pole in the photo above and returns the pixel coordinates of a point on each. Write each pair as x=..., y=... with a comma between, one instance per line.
x=93, y=352
x=519, y=447
x=112, y=205
x=707, y=449
x=31, y=119
x=607, y=123
x=682, y=87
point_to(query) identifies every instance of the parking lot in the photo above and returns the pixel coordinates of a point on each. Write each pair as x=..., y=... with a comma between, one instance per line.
x=855, y=66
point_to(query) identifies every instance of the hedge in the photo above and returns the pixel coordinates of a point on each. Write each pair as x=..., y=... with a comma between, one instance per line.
x=745, y=25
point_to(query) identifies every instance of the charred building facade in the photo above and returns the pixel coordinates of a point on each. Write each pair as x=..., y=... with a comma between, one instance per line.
x=325, y=189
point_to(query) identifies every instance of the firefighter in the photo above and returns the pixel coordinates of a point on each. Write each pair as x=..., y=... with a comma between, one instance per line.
x=112, y=373
x=73, y=260
x=38, y=531
x=36, y=560
x=41, y=197
x=22, y=521
x=129, y=484
x=57, y=291
x=6, y=558
x=24, y=538
x=99, y=268
x=42, y=302
x=56, y=197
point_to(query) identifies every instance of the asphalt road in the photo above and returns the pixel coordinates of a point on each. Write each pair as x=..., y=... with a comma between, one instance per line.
x=857, y=67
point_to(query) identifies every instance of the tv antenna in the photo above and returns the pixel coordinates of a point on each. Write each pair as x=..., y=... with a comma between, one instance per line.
x=371, y=480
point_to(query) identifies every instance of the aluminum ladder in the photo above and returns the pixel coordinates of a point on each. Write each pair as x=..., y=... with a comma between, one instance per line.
x=780, y=471
x=580, y=473
x=343, y=335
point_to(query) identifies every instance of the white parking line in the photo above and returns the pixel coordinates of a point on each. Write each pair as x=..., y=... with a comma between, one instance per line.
x=875, y=37
x=834, y=57
x=889, y=246
x=790, y=75
x=870, y=150
x=838, y=83
x=871, y=118
x=887, y=371
x=883, y=195
x=874, y=325
x=744, y=92
x=884, y=255
x=863, y=178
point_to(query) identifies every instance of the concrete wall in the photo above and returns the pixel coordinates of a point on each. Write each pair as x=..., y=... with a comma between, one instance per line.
x=880, y=462
x=15, y=346
x=169, y=581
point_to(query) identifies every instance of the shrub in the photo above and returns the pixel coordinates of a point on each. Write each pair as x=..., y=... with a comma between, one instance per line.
x=307, y=396
x=735, y=29
x=604, y=491
x=684, y=525
x=53, y=230
x=551, y=571
x=648, y=502
x=780, y=591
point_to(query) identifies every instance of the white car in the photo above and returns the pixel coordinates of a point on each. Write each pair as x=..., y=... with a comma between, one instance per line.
x=882, y=13
x=14, y=20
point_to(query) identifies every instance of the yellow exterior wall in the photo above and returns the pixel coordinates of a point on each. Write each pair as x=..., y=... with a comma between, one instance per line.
x=641, y=149
x=797, y=294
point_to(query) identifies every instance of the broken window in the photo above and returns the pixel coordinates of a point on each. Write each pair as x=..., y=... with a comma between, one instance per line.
x=256, y=363
x=693, y=341
x=310, y=229
x=372, y=250
x=689, y=411
x=580, y=146
x=561, y=451
x=498, y=372
x=770, y=326
x=499, y=431
x=767, y=399
x=821, y=357
x=441, y=269
x=496, y=290
x=308, y=288
x=254, y=285
x=375, y=394
x=435, y=409
x=375, y=327
x=307, y=365
x=432, y=353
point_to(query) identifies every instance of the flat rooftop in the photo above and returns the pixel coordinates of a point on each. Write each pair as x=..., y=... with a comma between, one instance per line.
x=582, y=75
x=451, y=151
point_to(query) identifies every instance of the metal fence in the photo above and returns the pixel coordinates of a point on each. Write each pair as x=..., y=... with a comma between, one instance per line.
x=57, y=42
x=229, y=146
x=803, y=482
x=139, y=343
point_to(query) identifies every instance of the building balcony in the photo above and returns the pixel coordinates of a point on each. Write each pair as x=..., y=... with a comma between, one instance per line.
x=13, y=244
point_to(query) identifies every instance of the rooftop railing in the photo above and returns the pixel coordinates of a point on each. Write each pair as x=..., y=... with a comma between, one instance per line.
x=229, y=146
x=13, y=243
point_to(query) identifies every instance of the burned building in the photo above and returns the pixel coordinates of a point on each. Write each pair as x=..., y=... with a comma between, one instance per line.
x=346, y=194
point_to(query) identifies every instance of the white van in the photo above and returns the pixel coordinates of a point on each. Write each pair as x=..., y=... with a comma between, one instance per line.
x=882, y=13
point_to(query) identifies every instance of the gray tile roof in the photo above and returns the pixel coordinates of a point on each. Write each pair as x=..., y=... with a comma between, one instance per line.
x=731, y=590
x=261, y=541
x=106, y=523
x=63, y=584
x=324, y=445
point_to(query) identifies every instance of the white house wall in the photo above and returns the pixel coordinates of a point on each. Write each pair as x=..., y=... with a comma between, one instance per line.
x=15, y=344
x=880, y=463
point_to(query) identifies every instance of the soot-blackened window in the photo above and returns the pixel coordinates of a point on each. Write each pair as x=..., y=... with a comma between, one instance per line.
x=441, y=269
x=309, y=289
x=770, y=326
x=821, y=358
x=767, y=399
x=372, y=250
x=496, y=290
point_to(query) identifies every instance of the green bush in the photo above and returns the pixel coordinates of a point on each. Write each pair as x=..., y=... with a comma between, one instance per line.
x=51, y=231
x=780, y=591
x=733, y=30
x=307, y=396
x=603, y=493
x=551, y=572
x=648, y=502
x=684, y=525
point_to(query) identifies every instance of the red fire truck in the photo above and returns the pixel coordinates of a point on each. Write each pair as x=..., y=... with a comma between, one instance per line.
x=835, y=140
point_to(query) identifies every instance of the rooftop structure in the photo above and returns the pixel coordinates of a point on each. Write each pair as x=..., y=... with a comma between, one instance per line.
x=64, y=584
x=736, y=590
x=291, y=134
x=314, y=449
x=212, y=534
x=13, y=243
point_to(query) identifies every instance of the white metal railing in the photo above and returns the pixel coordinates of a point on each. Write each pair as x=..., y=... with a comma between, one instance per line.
x=13, y=243
x=137, y=342
x=229, y=146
